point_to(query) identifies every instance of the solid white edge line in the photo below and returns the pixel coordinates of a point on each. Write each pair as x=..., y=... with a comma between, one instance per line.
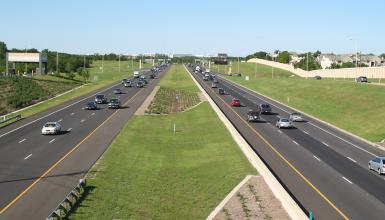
x=324, y=143
x=295, y=142
x=316, y=158
x=51, y=141
x=347, y=180
x=21, y=141
x=352, y=159
x=250, y=92
x=306, y=132
x=27, y=156
x=69, y=129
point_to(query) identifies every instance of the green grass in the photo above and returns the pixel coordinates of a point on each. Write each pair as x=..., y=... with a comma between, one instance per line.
x=149, y=172
x=175, y=84
x=98, y=79
x=358, y=108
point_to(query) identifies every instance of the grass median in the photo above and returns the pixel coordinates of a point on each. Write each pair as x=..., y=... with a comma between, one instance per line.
x=357, y=108
x=150, y=172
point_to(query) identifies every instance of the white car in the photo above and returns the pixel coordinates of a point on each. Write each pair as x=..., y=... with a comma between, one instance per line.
x=283, y=123
x=295, y=116
x=51, y=128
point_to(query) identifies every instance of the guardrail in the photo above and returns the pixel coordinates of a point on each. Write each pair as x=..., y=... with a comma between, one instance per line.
x=65, y=206
x=9, y=119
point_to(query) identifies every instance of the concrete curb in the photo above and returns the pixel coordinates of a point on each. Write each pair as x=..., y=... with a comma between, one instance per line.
x=291, y=207
x=310, y=116
x=228, y=197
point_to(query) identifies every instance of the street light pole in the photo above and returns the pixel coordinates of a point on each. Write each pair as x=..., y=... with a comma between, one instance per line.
x=57, y=62
x=84, y=63
x=238, y=64
x=103, y=63
x=119, y=63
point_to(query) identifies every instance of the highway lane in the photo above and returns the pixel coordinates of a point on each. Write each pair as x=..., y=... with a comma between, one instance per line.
x=348, y=186
x=25, y=154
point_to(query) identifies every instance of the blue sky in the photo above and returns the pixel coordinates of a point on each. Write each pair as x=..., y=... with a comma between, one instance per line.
x=196, y=26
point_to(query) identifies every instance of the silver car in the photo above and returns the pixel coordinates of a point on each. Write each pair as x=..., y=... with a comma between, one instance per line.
x=295, y=116
x=283, y=123
x=377, y=164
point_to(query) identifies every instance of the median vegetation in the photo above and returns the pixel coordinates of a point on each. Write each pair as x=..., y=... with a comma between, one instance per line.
x=357, y=108
x=152, y=172
x=175, y=94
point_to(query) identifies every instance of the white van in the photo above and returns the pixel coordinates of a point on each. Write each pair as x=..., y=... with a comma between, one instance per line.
x=136, y=74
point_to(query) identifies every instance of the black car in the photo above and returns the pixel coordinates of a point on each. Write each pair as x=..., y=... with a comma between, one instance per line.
x=114, y=103
x=100, y=98
x=152, y=76
x=91, y=106
x=318, y=77
x=221, y=91
x=254, y=115
x=117, y=91
x=140, y=84
x=362, y=79
x=215, y=81
x=144, y=81
x=265, y=108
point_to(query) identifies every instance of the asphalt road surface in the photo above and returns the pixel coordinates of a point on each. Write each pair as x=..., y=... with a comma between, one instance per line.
x=324, y=169
x=37, y=171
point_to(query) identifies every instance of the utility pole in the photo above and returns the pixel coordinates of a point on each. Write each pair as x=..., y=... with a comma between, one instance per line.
x=57, y=62
x=119, y=63
x=307, y=61
x=238, y=64
x=84, y=63
x=103, y=63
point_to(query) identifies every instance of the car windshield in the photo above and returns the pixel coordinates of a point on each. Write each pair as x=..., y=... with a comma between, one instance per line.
x=284, y=120
x=296, y=114
x=49, y=125
x=265, y=106
x=114, y=100
x=99, y=96
x=90, y=103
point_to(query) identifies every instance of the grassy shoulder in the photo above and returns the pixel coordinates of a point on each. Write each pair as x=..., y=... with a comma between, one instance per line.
x=100, y=76
x=150, y=172
x=357, y=108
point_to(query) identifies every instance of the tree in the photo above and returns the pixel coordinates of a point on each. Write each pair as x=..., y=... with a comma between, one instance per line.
x=283, y=57
x=85, y=74
x=309, y=61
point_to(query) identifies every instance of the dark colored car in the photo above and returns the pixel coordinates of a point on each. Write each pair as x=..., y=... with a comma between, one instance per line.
x=152, y=76
x=215, y=81
x=221, y=91
x=253, y=115
x=236, y=103
x=144, y=81
x=238, y=74
x=100, y=98
x=91, y=106
x=114, y=103
x=265, y=108
x=117, y=91
x=318, y=77
x=124, y=81
x=140, y=84
x=362, y=79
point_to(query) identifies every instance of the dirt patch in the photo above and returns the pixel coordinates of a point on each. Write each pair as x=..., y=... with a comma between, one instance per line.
x=202, y=97
x=254, y=200
x=142, y=109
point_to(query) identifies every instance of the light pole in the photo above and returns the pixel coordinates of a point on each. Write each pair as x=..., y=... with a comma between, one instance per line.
x=356, y=49
x=84, y=63
x=119, y=63
x=103, y=63
x=238, y=64
x=57, y=62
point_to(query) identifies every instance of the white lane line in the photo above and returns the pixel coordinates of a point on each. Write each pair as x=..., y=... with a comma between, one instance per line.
x=280, y=131
x=51, y=141
x=65, y=107
x=351, y=159
x=60, y=120
x=316, y=158
x=295, y=142
x=22, y=140
x=93, y=113
x=69, y=129
x=306, y=132
x=347, y=180
x=27, y=156
x=346, y=141
x=258, y=96
x=72, y=113
x=325, y=144
x=82, y=121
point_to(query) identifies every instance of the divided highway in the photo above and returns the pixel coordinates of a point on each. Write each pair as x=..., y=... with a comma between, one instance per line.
x=37, y=171
x=323, y=168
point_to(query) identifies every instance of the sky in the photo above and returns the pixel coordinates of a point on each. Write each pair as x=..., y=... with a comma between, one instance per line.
x=206, y=27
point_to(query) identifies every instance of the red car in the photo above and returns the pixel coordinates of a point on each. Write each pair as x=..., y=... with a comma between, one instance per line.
x=236, y=103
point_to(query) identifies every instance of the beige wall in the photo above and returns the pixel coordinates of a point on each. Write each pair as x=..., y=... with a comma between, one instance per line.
x=370, y=72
